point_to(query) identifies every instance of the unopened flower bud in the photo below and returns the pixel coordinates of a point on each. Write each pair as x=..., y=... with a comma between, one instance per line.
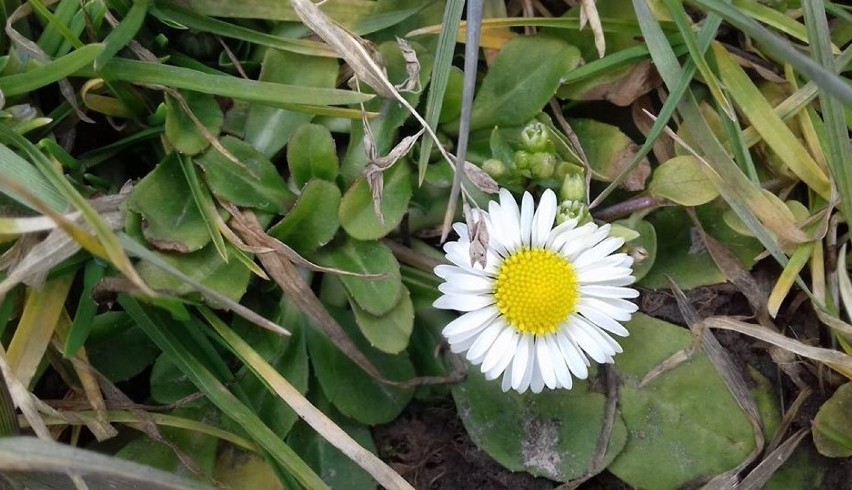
x=495, y=168
x=535, y=139
x=522, y=160
x=573, y=188
x=542, y=165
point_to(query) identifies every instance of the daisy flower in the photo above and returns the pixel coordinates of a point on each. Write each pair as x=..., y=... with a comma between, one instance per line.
x=547, y=299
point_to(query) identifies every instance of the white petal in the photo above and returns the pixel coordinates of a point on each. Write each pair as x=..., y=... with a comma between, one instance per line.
x=609, y=291
x=563, y=376
x=506, y=342
x=564, y=227
x=606, y=276
x=619, y=260
x=484, y=342
x=572, y=242
x=545, y=363
x=461, y=231
x=445, y=270
x=537, y=381
x=543, y=219
x=599, y=251
x=527, y=206
x=496, y=242
x=574, y=248
x=607, y=345
x=470, y=321
x=574, y=358
x=588, y=343
x=522, y=357
x=463, y=302
x=510, y=218
x=466, y=283
x=601, y=320
x=506, y=384
x=463, y=345
x=621, y=311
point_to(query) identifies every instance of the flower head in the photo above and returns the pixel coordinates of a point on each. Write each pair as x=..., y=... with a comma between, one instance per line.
x=546, y=300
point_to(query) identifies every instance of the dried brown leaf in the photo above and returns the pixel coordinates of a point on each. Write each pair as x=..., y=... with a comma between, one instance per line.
x=641, y=79
x=481, y=179
x=761, y=474
x=412, y=67
x=478, y=232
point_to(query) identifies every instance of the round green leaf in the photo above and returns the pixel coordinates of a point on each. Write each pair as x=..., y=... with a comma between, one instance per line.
x=551, y=434
x=682, y=181
x=313, y=220
x=351, y=390
x=170, y=217
x=832, y=426
x=373, y=295
x=645, y=245
x=253, y=182
x=684, y=424
x=357, y=214
x=311, y=153
x=389, y=332
x=609, y=152
x=182, y=132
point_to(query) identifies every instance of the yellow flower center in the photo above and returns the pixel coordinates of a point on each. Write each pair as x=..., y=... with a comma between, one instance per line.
x=536, y=290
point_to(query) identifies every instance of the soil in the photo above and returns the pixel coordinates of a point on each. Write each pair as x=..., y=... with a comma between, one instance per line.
x=429, y=447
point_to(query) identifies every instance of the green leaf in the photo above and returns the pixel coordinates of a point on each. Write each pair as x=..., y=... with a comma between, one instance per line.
x=376, y=296
x=647, y=241
x=832, y=427
x=181, y=130
x=16, y=169
x=351, y=390
x=609, y=151
x=682, y=255
x=313, y=221
x=118, y=348
x=171, y=219
x=523, y=77
x=684, y=424
x=389, y=332
x=252, y=181
x=551, y=434
x=122, y=34
x=312, y=154
x=357, y=215
x=269, y=128
x=168, y=383
x=205, y=267
x=682, y=181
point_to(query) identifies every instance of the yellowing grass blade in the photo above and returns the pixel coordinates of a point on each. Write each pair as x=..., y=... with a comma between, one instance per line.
x=788, y=277
x=38, y=320
x=769, y=125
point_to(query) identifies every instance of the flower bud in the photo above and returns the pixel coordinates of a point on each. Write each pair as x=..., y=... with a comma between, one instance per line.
x=495, y=168
x=573, y=188
x=522, y=160
x=535, y=139
x=542, y=165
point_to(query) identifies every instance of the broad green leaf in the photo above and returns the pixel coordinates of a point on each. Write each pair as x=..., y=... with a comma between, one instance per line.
x=251, y=181
x=313, y=221
x=682, y=181
x=389, y=332
x=351, y=390
x=609, y=152
x=242, y=469
x=269, y=128
x=312, y=154
x=357, y=215
x=551, y=434
x=182, y=132
x=520, y=81
x=168, y=383
x=118, y=348
x=684, y=424
x=204, y=266
x=376, y=296
x=682, y=254
x=170, y=218
x=832, y=427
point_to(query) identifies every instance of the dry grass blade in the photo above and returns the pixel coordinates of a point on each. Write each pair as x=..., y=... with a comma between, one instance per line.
x=832, y=358
x=383, y=474
x=758, y=477
x=22, y=398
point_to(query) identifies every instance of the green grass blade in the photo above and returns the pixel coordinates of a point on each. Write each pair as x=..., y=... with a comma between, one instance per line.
x=50, y=72
x=773, y=18
x=440, y=74
x=56, y=30
x=24, y=174
x=836, y=134
x=119, y=37
x=781, y=50
x=192, y=20
x=160, y=328
x=227, y=86
x=204, y=203
x=86, y=309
